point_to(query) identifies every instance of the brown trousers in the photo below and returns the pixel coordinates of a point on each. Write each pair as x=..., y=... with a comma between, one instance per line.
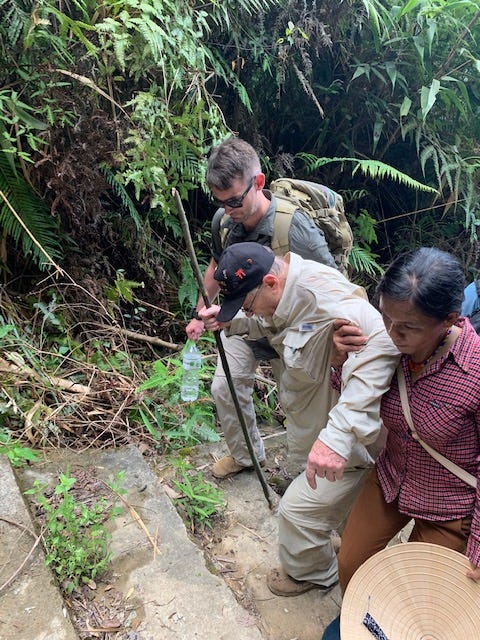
x=373, y=522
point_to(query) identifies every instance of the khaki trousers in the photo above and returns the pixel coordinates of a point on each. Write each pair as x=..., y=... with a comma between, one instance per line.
x=374, y=522
x=306, y=405
x=242, y=364
x=306, y=518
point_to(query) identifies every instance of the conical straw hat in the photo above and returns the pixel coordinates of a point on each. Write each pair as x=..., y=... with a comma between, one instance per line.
x=413, y=591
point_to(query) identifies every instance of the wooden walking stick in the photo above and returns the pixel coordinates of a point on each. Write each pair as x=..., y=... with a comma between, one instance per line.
x=271, y=497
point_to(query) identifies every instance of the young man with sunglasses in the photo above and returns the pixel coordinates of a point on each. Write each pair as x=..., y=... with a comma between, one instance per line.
x=246, y=213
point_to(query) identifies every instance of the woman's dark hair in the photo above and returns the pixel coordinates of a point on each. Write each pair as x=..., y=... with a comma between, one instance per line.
x=428, y=278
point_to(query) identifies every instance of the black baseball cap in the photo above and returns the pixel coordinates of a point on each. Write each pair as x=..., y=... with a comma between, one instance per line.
x=240, y=269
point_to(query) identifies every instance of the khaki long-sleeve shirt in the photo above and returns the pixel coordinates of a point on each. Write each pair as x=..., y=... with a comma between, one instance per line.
x=300, y=331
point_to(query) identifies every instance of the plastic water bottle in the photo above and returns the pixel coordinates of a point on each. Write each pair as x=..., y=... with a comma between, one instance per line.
x=192, y=363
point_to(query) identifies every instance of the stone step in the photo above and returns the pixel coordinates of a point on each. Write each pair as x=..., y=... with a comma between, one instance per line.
x=166, y=593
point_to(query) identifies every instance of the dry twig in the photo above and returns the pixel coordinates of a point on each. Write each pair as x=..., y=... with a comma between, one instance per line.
x=134, y=335
x=61, y=383
x=136, y=518
x=25, y=560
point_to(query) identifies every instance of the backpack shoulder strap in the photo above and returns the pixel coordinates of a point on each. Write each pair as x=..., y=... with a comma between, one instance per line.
x=284, y=210
x=216, y=224
x=223, y=230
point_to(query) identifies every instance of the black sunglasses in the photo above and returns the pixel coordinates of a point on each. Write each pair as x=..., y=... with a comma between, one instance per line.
x=234, y=203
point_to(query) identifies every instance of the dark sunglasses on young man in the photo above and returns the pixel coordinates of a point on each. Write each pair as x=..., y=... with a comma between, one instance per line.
x=234, y=203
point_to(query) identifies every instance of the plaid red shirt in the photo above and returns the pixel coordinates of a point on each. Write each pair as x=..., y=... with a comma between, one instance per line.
x=445, y=406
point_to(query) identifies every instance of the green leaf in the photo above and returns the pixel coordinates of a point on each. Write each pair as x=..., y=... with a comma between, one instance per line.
x=377, y=131
x=160, y=378
x=405, y=107
x=153, y=431
x=391, y=69
x=361, y=70
x=428, y=97
x=33, y=122
x=409, y=6
x=5, y=329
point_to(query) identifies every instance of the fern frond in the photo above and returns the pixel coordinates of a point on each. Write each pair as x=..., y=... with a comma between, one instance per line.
x=15, y=19
x=426, y=154
x=443, y=170
x=188, y=289
x=371, y=168
x=120, y=191
x=207, y=433
x=44, y=241
x=363, y=261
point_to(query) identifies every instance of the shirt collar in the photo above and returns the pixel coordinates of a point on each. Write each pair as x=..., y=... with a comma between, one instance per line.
x=284, y=307
x=464, y=346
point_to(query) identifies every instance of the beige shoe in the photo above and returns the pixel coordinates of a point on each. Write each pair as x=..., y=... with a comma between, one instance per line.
x=281, y=584
x=226, y=467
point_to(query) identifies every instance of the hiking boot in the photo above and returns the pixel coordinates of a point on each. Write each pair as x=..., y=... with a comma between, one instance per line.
x=226, y=467
x=281, y=584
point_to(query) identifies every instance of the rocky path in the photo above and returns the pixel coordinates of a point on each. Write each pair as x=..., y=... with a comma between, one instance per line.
x=211, y=588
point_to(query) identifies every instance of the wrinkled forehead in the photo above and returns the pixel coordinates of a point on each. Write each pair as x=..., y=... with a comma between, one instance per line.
x=402, y=311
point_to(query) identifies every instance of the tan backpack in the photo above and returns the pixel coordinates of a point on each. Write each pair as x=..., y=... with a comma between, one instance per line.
x=323, y=205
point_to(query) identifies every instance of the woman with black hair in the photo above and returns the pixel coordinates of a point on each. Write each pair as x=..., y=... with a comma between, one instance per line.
x=420, y=298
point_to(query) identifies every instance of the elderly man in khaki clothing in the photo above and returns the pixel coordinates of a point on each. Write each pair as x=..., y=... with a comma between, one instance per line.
x=294, y=302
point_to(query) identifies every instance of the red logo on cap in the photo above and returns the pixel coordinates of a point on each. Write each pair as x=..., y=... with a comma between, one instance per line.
x=240, y=273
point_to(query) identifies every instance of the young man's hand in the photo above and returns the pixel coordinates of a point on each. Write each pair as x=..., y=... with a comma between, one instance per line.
x=347, y=337
x=194, y=329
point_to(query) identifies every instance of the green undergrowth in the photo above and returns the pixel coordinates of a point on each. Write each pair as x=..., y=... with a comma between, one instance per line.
x=199, y=501
x=166, y=417
x=56, y=390
x=75, y=536
x=63, y=390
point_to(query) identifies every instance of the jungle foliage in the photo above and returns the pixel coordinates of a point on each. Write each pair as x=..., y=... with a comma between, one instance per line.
x=106, y=106
x=387, y=82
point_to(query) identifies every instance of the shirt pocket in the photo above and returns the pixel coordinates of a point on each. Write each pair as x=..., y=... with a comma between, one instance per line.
x=442, y=422
x=306, y=351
